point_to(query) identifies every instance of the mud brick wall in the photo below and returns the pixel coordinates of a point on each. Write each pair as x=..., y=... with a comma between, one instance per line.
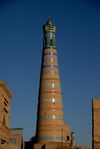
x=96, y=123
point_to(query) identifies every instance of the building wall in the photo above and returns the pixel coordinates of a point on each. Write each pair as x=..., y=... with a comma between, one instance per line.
x=96, y=123
x=16, y=138
x=4, y=106
x=9, y=138
x=5, y=97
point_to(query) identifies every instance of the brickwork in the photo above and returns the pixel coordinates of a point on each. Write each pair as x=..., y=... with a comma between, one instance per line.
x=16, y=139
x=9, y=138
x=96, y=123
x=5, y=97
x=50, y=121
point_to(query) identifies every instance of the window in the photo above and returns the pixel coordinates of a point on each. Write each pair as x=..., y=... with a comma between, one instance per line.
x=13, y=140
x=5, y=103
x=4, y=121
x=68, y=138
x=5, y=110
x=5, y=100
x=3, y=141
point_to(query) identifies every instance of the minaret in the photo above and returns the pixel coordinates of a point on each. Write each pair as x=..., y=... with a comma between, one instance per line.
x=50, y=120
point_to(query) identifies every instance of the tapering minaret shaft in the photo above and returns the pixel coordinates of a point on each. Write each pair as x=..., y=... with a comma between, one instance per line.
x=50, y=111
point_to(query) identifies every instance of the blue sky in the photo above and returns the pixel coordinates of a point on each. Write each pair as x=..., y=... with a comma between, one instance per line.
x=78, y=44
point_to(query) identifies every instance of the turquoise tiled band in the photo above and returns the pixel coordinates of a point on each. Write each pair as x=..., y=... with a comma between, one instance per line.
x=51, y=138
x=50, y=72
x=50, y=53
x=50, y=60
x=52, y=125
x=50, y=100
x=51, y=117
x=49, y=48
x=50, y=66
x=46, y=85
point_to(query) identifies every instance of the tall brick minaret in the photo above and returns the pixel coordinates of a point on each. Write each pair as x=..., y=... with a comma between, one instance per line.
x=50, y=121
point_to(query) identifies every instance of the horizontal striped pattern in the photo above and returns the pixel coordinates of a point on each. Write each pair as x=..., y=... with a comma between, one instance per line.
x=50, y=60
x=48, y=66
x=51, y=138
x=50, y=117
x=49, y=48
x=50, y=72
x=50, y=100
x=47, y=85
x=50, y=53
x=50, y=108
